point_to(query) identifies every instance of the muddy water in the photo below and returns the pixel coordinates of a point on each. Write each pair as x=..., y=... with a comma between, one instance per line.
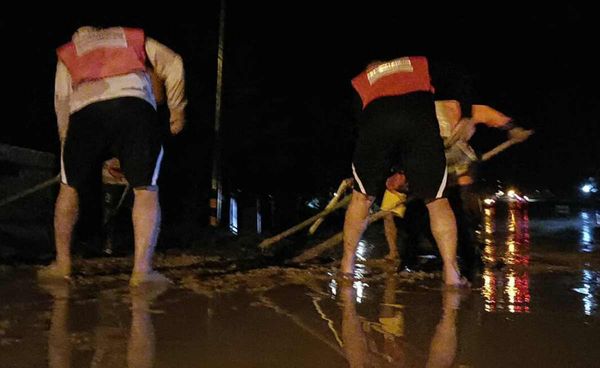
x=534, y=305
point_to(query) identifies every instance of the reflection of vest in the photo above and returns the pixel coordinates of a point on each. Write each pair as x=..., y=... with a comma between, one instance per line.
x=98, y=54
x=393, y=78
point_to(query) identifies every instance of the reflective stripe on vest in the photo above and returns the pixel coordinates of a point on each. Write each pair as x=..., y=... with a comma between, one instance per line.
x=393, y=78
x=104, y=53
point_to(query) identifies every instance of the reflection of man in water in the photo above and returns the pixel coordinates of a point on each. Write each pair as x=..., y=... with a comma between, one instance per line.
x=141, y=340
x=109, y=350
x=141, y=345
x=391, y=318
x=361, y=348
x=355, y=341
x=442, y=351
x=59, y=344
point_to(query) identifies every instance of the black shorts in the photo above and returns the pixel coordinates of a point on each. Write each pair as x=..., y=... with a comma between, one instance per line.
x=126, y=128
x=400, y=129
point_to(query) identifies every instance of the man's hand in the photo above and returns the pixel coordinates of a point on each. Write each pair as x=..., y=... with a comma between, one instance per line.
x=112, y=172
x=176, y=126
x=396, y=182
x=519, y=134
x=177, y=121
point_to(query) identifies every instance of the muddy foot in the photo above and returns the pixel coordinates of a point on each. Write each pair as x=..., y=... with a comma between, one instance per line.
x=54, y=272
x=153, y=277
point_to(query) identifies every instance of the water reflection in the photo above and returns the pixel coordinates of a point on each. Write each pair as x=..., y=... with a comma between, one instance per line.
x=442, y=352
x=110, y=339
x=588, y=224
x=383, y=343
x=489, y=250
x=359, y=285
x=360, y=272
x=361, y=256
x=367, y=343
x=141, y=343
x=59, y=343
x=507, y=288
x=354, y=338
x=589, y=290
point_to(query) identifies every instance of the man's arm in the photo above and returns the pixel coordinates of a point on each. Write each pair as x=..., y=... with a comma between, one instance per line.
x=493, y=118
x=168, y=66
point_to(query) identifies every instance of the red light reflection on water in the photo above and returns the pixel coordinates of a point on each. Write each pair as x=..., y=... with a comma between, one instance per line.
x=506, y=289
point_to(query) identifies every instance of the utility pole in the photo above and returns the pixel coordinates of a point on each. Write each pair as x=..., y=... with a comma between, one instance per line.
x=216, y=195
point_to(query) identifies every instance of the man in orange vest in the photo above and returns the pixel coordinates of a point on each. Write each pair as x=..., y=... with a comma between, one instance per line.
x=460, y=157
x=105, y=107
x=398, y=119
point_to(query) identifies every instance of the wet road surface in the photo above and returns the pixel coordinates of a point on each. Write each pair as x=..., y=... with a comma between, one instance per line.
x=535, y=304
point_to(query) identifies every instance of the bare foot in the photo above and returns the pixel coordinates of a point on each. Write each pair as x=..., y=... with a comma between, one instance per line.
x=154, y=277
x=392, y=257
x=453, y=279
x=54, y=272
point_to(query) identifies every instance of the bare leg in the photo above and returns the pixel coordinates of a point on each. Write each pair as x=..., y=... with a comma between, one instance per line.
x=146, y=226
x=355, y=224
x=443, y=228
x=391, y=236
x=66, y=213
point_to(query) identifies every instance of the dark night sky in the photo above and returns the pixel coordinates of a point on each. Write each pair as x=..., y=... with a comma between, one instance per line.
x=286, y=107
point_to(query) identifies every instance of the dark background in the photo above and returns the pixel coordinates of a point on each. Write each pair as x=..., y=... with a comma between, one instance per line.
x=287, y=126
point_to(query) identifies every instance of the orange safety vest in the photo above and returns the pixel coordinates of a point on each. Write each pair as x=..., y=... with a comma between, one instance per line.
x=393, y=78
x=104, y=53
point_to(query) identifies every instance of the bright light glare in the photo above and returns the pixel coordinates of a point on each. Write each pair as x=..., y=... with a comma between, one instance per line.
x=586, y=188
